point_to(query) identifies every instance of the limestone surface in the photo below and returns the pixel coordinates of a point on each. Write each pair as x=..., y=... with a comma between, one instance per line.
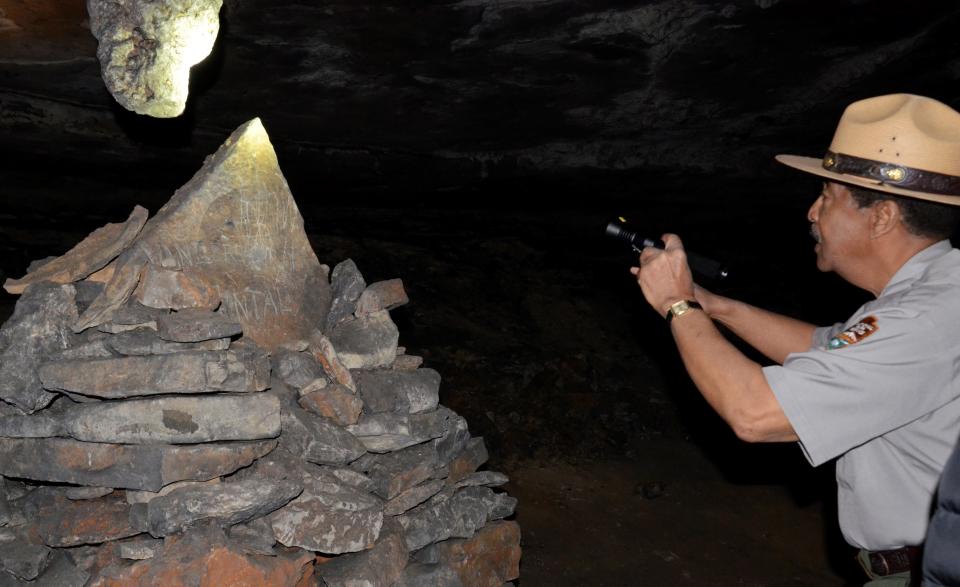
x=236, y=221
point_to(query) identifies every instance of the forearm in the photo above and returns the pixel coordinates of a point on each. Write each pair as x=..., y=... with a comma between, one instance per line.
x=774, y=335
x=730, y=382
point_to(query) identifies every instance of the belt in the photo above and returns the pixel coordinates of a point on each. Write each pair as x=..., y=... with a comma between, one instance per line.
x=891, y=562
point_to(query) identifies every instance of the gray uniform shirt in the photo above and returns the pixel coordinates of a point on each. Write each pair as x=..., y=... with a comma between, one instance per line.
x=881, y=390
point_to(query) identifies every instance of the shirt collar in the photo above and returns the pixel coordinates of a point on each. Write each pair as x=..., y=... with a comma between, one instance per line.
x=915, y=265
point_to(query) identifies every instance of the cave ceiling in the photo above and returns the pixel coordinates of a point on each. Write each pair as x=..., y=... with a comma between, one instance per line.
x=426, y=96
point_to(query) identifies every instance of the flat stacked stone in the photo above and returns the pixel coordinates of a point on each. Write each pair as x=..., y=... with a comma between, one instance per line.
x=191, y=397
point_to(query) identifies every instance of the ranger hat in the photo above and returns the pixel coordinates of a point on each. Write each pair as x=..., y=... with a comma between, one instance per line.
x=900, y=144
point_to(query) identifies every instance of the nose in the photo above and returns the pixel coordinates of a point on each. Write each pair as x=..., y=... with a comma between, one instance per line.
x=813, y=214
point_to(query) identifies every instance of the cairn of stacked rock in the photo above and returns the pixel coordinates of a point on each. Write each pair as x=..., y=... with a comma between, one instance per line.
x=193, y=399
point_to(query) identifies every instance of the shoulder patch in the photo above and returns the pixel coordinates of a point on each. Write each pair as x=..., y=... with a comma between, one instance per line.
x=855, y=333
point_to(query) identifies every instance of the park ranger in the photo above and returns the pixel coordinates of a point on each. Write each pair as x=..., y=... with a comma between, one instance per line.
x=880, y=390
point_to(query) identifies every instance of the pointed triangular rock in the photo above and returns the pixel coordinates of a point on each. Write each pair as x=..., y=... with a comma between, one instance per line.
x=236, y=221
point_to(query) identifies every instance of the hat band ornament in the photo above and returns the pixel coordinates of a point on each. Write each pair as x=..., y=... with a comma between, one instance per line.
x=891, y=174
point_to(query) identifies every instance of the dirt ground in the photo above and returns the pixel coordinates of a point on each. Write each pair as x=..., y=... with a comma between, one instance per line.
x=668, y=520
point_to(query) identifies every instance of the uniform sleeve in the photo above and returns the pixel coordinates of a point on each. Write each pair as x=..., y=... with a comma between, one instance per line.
x=839, y=398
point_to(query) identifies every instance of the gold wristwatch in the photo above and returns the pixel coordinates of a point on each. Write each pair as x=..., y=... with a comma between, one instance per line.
x=680, y=308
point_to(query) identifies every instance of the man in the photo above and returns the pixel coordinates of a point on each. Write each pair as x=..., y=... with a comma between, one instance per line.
x=879, y=390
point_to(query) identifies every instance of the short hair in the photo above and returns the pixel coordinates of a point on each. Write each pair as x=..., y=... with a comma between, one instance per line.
x=921, y=217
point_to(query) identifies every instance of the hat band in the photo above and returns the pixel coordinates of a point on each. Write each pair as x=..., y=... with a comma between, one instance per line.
x=892, y=174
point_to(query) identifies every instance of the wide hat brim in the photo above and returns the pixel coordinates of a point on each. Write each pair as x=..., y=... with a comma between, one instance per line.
x=814, y=166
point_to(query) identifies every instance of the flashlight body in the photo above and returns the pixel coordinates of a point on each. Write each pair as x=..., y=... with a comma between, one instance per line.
x=699, y=264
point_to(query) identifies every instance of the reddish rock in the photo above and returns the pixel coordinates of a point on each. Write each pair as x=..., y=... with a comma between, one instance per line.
x=70, y=523
x=335, y=402
x=489, y=559
x=382, y=295
x=170, y=288
x=205, y=558
x=326, y=355
x=90, y=255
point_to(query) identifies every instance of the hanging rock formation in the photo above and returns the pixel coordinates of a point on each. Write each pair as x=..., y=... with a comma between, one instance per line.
x=146, y=49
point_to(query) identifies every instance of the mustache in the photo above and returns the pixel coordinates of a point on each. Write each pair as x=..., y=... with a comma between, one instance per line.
x=815, y=232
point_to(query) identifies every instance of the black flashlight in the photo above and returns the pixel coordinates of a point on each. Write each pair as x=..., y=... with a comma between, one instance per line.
x=698, y=263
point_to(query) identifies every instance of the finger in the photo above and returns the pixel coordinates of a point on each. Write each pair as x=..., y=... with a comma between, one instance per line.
x=672, y=241
x=649, y=253
x=635, y=270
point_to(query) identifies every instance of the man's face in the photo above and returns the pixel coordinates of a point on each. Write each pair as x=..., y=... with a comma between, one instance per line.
x=841, y=229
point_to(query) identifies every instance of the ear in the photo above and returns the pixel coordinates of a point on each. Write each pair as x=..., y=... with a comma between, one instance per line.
x=884, y=217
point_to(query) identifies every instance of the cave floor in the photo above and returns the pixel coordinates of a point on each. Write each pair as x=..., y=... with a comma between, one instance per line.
x=667, y=519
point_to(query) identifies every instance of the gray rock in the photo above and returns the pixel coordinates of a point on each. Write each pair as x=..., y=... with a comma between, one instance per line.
x=296, y=369
x=451, y=516
x=395, y=472
x=60, y=572
x=5, y=515
x=317, y=439
x=146, y=342
x=81, y=493
x=24, y=560
x=192, y=325
x=386, y=390
x=484, y=479
x=454, y=438
x=413, y=497
x=429, y=575
x=135, y=497
x=141, y=467
x=224, y=503
x=177, y=419
x=254, y=537
x=90, y=349
x=391, y=431
x=39, y=326
x=347, y=285
x=367, y=342
x=380, y=566
x=192, y=372
x=328, y=517
x=146, y=49
x=139, y=549
x=469, y=460
x=87, y=291
x=500, y=506
x=132, y=316
x=352, y=478
x=35, y=426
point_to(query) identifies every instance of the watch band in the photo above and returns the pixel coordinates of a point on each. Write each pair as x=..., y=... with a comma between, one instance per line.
x=680, y=308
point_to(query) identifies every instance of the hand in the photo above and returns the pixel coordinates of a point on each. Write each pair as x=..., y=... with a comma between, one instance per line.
x=664, y=276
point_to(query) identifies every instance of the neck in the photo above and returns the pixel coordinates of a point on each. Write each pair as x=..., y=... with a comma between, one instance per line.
x=889, y=255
